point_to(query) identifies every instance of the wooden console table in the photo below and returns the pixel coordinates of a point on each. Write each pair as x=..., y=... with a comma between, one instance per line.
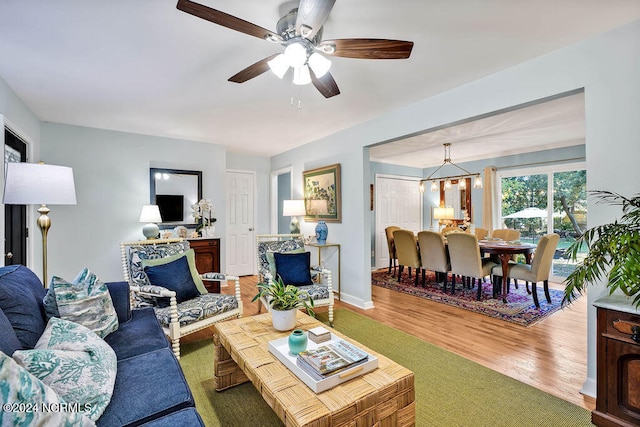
x=618, y=363
x=207, y=251
x=382, y=397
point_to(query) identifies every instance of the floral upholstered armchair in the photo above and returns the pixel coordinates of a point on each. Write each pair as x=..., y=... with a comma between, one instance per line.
x=162, y=274
x=317, y=282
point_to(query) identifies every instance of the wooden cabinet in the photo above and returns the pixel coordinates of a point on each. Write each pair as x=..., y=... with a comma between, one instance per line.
x=618, y=367
x=207, y=253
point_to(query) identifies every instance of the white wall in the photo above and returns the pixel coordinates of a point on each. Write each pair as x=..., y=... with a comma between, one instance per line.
x=607, y=67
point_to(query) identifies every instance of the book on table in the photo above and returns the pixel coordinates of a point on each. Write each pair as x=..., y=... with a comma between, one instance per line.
x=330, y=358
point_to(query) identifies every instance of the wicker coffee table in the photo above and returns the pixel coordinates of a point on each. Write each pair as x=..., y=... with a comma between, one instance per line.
x=382, y=397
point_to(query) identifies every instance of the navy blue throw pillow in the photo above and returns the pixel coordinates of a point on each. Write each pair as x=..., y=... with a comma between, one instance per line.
x=175, y=276
x=294, y=269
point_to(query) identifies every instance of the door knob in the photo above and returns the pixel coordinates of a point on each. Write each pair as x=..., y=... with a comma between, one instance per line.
x=9, y=255
x=250, y=228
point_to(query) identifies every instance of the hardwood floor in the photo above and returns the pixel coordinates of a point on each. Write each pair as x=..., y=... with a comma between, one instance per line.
x=550, y=355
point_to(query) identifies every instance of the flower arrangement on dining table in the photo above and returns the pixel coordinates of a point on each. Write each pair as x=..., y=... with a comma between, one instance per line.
x=203, y=214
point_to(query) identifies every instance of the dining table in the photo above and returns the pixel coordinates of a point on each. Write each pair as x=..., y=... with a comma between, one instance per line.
x=505, y=251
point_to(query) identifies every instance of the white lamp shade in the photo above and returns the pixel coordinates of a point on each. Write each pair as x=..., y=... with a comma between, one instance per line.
x=443, y=213
x=296, y=55
x=293, y=208
x=38, y=184
x=279, y=65
x=150, y=213
x=301, y=76
x=319, y=64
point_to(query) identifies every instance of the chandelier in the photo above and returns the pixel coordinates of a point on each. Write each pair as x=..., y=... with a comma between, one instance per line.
x=477, y=181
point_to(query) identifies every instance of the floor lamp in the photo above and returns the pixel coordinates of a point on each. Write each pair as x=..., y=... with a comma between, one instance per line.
x=39, y=184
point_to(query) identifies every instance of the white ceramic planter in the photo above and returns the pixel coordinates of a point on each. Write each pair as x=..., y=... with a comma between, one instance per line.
x=283, y=320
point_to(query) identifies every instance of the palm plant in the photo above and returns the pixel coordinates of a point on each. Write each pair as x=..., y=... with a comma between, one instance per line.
x=613, y=251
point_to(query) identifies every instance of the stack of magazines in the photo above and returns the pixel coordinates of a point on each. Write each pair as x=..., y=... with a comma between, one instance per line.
x=330, y=359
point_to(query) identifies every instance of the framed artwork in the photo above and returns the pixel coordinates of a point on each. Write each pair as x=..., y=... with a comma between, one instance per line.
x=322, y=199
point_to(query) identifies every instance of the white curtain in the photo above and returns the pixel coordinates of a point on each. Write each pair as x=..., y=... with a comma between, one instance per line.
x=489, y=198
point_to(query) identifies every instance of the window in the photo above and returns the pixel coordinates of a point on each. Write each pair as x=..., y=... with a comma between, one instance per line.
x=550, y=199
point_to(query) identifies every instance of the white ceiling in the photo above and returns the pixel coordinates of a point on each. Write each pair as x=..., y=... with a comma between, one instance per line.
x=551, y=124
x=143, y=66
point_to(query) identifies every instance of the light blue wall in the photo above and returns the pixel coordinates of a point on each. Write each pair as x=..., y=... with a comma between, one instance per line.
x=557, y=156
x=606, y=67
x=431, y=199
x=15, y=115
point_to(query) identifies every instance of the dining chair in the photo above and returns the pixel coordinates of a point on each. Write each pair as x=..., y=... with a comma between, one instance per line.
x=506, y=234
x=481, y=233
x=538, y=270
x=466, y=261
x=433, y=255
x=407, y=251
x=451, y=229
x=391, y=245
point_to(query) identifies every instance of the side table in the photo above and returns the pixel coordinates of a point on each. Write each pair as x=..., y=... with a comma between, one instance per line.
x=320, y=248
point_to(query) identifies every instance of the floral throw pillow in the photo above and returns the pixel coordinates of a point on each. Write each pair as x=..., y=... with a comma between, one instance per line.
x=74, y=362
x=31, y=402
x=86, y=301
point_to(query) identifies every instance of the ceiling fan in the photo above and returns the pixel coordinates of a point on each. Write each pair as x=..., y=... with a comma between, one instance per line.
x=300, y=31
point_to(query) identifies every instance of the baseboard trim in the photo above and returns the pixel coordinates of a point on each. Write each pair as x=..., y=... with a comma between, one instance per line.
x=355, y=301
x=589, y=388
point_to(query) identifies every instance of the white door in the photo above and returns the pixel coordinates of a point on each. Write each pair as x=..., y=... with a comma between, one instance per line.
x=240, y=239
x=398, y=202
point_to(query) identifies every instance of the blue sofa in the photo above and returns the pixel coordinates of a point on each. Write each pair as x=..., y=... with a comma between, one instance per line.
x=150, y=388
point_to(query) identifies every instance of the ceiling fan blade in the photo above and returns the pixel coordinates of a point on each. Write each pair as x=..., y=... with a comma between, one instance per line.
x=367, y=48
x=311, y=16
x=326, y=85
x=226, y=20
x=253, y=70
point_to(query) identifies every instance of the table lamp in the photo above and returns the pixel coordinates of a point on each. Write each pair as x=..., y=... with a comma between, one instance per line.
x=293, y=208
x=39, y=184
x=442, y=214
x=150, y=215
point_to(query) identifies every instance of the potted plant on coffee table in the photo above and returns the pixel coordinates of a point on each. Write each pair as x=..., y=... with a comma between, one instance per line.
x=284, y=300
x=614, y=252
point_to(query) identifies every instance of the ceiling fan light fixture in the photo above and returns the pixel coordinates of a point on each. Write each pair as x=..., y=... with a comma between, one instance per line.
x=329, y=49
x=296, y=55
x=301, y=76
x=271, y=38
x=305, y=30
x=319, y=64
x=279, y=65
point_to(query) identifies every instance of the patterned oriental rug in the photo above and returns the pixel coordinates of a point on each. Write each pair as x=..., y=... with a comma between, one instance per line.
x=519, y=308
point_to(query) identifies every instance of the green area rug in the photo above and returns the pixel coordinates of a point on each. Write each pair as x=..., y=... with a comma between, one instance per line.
x=450, y=390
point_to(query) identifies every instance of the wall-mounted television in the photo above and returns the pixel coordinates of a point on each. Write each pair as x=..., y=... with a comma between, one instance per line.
x=171, y=207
